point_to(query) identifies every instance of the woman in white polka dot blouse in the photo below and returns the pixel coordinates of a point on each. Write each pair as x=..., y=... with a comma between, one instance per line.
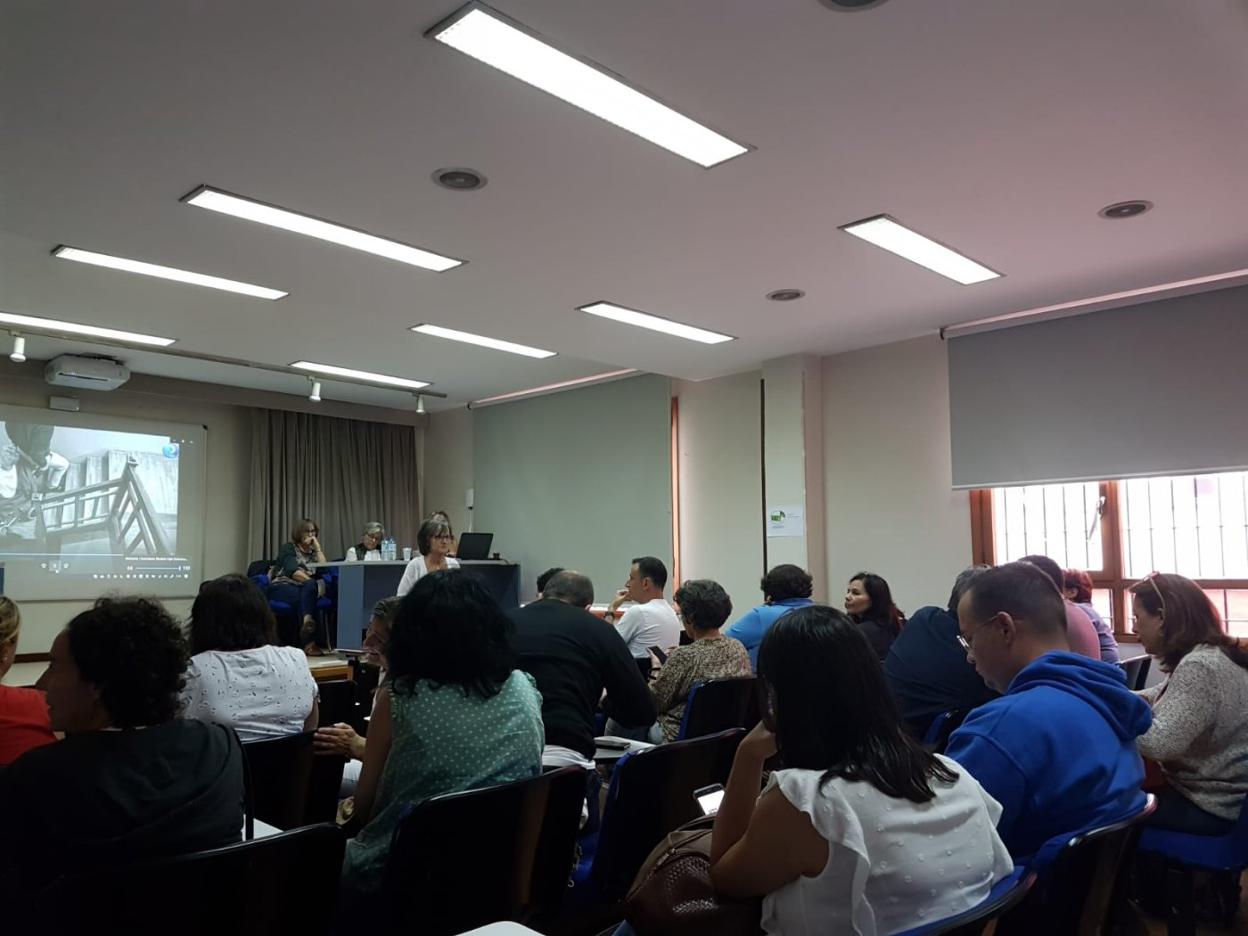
x=863, y=831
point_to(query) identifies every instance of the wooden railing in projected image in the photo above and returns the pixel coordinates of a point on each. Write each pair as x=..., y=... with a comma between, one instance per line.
x=120, y=507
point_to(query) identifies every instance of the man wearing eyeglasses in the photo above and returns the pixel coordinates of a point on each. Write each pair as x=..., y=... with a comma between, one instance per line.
x=1057, y=750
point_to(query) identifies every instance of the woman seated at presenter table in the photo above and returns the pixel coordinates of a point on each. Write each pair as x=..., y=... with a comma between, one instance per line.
x=292, y=581
x=434, y=539
x=368, y=549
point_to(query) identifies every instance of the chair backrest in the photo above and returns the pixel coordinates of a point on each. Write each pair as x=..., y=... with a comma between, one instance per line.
x=279, y=884
x=259, y=567
x=650, y=795
x=936, y=738
x=338, y=701
x=719, y=704
x=501, y=853
x=1005, y=894
x=1136, y=670
x=281, y=777
x=1078, y=892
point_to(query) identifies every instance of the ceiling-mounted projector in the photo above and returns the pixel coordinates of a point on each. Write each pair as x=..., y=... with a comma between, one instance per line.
x=86, y=373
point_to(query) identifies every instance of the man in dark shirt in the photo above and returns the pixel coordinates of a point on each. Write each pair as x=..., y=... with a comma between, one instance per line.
x=573, y=656
x=927, y=668
x=130, y=781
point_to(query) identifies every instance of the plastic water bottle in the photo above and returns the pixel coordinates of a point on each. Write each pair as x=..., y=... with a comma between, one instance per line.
x=388, y=555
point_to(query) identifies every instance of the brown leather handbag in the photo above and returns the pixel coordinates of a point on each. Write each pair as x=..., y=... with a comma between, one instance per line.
x=672, y=893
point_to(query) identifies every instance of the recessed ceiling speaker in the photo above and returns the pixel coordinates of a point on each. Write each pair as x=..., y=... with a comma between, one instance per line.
x=846, y=6
x=1125, y=209
x=459, y=179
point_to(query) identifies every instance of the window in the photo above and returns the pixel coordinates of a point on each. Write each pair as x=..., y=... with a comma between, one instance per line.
x=1119, y=531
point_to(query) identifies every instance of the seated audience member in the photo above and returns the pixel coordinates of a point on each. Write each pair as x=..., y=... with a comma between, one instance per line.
x=650, y=622
x=237, y=677
x=926, y=667
x=441, y=516
x=705, y=606
x=862, y=831
x=292, y=580
x=340, y=739
x=784, y=588
x=1199, y=732
x=457, y=715
x=546, y=577
x=434, y=542
x=869, y=602
x=131, y=780
x=24, y=720
x=368, y=549
x=1080, y=632
x=573, y=657
x=1077, y=589
x=1057, y=750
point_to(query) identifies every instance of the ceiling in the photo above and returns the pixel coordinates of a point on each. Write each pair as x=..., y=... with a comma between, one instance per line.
x=999, y=128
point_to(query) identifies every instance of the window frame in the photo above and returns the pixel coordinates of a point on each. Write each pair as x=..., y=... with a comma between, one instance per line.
x=1111, y=577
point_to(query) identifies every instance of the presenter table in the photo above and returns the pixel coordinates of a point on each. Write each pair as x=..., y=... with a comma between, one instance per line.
x=362, y=584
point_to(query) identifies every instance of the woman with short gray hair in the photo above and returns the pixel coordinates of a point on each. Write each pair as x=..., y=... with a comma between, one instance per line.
x=368, y=549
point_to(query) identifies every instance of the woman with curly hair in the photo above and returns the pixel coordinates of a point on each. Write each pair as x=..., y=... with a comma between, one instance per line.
x=130, y=780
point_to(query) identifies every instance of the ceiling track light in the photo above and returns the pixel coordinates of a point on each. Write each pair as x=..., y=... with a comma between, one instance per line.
x=420, y=405
x=18, y=354
x=315, y=395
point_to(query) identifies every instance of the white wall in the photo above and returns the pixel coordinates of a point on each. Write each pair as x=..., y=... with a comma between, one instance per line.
x=447, y=469
x=721, y=509
x=890, y=506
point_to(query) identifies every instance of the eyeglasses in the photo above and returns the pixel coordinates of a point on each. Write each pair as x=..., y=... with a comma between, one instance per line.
x=966, y=644
x=1151, y=579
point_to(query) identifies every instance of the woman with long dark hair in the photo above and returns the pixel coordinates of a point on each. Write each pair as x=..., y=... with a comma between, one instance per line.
x=1199, y=733
x=457, y=715
x=862, y=830
x=869, y=602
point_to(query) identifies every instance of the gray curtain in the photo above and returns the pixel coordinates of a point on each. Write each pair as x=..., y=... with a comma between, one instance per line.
x=341, y=473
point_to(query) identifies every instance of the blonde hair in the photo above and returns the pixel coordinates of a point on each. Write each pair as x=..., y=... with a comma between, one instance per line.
x=10, y=619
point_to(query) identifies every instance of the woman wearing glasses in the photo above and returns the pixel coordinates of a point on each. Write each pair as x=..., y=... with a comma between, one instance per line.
x=435, y=541
x=1199, y=733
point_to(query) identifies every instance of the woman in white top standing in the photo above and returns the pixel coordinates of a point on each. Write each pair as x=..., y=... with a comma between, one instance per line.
x=236, y=675
x=435, y=540
x=862, y=831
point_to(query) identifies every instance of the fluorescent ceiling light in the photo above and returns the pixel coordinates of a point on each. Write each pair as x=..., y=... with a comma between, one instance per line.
x=333, y=371
x=550, y=388
x=884, y=232
x=654, y=323
x=487, y=36
x=251, y=210
x=73, y=328
x=437, y=331
x=164, y=272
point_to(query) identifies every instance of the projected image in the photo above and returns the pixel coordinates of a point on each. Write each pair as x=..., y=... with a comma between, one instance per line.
x=87, y=500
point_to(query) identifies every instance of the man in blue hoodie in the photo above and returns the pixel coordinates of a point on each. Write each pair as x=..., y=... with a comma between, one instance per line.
x=1057, y=750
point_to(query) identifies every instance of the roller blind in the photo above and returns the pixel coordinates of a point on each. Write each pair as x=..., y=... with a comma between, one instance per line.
x=580, y=479
x=1155, y=388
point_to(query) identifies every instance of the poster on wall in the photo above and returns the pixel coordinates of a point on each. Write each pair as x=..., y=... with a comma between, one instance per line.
x=787, y=520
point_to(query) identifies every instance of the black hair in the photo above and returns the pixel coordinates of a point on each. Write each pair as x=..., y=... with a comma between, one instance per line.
x=1022, y=590
x=785, y=582
x=882, y=611
x=652, y=568
x=450, y=631
x=428, y=530
x=831, y=710
x=133, y=652
x=1056, y=574
x=385, y=609
x=546, y=577
x=571, y=587
x=962, y=583
x=231, y=613
x=703, y=604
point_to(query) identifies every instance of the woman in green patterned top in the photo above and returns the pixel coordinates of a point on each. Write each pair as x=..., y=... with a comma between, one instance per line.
x=457, y=716
x=704, y=606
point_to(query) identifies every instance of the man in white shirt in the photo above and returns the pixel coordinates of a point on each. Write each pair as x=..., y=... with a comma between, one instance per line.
x=650, y=622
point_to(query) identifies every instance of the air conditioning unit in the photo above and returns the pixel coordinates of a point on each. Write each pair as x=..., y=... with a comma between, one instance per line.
x=86, y=373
